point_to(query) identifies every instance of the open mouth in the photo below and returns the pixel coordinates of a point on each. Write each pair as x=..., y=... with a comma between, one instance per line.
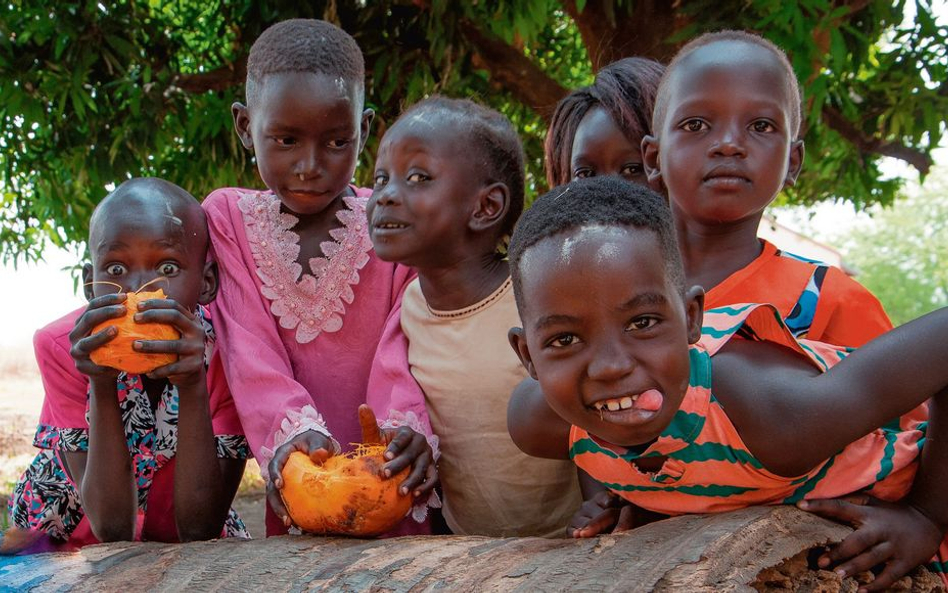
x=647, y=401
x=390, y=226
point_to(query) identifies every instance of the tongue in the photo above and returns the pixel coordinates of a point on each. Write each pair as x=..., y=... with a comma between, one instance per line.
x=650, y=400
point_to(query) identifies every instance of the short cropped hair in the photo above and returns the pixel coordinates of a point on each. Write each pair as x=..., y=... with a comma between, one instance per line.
x=601, y=200
x=304, y=45
x=625, y=89
x=796, y=95
x=493, y=141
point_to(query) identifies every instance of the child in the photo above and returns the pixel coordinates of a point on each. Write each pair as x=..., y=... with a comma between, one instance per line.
x=726, y=142
x=303, y=297
x=449, y=186
x=625, y=364
x=598, y=130
x=126, y=456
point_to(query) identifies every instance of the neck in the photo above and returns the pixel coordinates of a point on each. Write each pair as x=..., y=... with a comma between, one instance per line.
x=711, y=253
x=463, y=283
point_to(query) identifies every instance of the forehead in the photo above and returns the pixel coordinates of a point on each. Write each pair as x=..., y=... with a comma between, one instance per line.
x=150, y=220
x=598, y=127
x=727, y=70
x=605, y=264
x=428, y=132
x=307, y=98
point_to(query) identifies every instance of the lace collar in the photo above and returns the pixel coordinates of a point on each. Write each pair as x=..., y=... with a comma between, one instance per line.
x=312, y=302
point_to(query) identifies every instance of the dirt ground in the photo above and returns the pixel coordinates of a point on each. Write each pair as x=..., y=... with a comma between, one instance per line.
x=21, y=398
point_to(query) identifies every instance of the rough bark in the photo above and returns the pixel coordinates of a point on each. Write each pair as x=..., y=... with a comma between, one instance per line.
x=722, y=552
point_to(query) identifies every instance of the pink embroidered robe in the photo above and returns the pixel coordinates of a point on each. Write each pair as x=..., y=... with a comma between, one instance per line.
x=289, y=340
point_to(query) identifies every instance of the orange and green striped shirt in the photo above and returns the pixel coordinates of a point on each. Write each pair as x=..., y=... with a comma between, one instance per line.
x=708, y=467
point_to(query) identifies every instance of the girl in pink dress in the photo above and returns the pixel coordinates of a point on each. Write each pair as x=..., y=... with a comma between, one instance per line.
x=303, y=298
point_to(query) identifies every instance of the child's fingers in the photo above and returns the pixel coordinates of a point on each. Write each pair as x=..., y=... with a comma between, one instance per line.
x=419, y=469
x=276, y=503
x=873, y=556
x=834, y=508
x=854, y=545
x=894, y=570
x=431, y=478
x=600, y=523
x=93, y=317
x=404, y=439
x=371, y=435
x=180, y=320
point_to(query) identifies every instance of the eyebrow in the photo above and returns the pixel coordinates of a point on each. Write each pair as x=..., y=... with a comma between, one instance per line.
x=643, y=299
x=544, y=322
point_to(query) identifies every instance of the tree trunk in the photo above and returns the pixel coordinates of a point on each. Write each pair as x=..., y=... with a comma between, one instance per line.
x=724, y=552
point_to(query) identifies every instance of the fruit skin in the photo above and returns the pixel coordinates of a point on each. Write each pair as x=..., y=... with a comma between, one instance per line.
x=118, y=352
x=345, y=495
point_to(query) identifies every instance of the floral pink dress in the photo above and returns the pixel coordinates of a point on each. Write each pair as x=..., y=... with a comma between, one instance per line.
x=298, y=345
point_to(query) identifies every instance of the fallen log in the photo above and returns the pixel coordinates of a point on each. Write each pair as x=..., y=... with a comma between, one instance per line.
x=725, y=552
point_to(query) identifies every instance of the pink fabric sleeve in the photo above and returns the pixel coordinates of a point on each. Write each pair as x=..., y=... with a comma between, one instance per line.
x=254, y=356
x=392, y=388
x=65, y=388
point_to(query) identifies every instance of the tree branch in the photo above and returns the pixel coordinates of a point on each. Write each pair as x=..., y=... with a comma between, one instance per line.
x=220, y=79
x=514, y=71
x=610, y=34
x=845, y=128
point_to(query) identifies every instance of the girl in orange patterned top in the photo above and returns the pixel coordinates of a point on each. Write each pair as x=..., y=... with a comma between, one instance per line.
x=624, y=361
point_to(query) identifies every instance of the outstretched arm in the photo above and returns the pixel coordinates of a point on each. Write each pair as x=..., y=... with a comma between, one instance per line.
x=780, y=403
x=534, y=426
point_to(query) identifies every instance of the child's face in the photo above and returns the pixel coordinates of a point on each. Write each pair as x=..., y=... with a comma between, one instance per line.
x=306, y=131
x=605, y=332
x=726, y=147
x=136, y=242
x=426, y=191
x=600, y=148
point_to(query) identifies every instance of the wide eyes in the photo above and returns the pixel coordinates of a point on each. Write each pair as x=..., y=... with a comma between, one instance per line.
x=380, y=180
x=115, y=269
x=169, y=269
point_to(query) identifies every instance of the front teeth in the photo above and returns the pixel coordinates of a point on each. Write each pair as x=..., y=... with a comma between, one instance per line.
x=614, y=405
x=390, y=225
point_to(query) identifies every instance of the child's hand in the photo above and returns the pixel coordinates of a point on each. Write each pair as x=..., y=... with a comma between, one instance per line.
x=188, y=370
x=405, y=447
x=315, y=444
x=897, y=535
x=603, y=513
x=100, y=310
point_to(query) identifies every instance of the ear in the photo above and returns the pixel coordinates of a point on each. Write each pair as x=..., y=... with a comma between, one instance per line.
x=694, y=311
x=242, y=124
x=796, y=163
x=492, y=205
x=519, y=343
x=210, y=282
x=367, y=116
x=87, y=288
x=651, y=162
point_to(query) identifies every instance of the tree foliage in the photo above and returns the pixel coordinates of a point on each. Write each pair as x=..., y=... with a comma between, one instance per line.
x=92, y=92
x=901, y=253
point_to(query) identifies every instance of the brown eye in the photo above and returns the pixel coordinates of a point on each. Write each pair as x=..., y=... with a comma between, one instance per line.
x=583, y=173
x=763, y=127
x=169, y=269
x=380, y=180
x=694, y=125
x=115, y=269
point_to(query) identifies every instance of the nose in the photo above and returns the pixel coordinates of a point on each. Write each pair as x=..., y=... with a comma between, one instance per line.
x=308, y=164
x=729, y=141
x=386, y=195
x=611, y=361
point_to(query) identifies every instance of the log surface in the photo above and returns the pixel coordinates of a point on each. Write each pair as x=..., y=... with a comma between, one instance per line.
x=723, y=552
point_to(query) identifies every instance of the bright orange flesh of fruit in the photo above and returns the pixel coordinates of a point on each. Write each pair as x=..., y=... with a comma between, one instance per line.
x=345, y=495
x=118, y=353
